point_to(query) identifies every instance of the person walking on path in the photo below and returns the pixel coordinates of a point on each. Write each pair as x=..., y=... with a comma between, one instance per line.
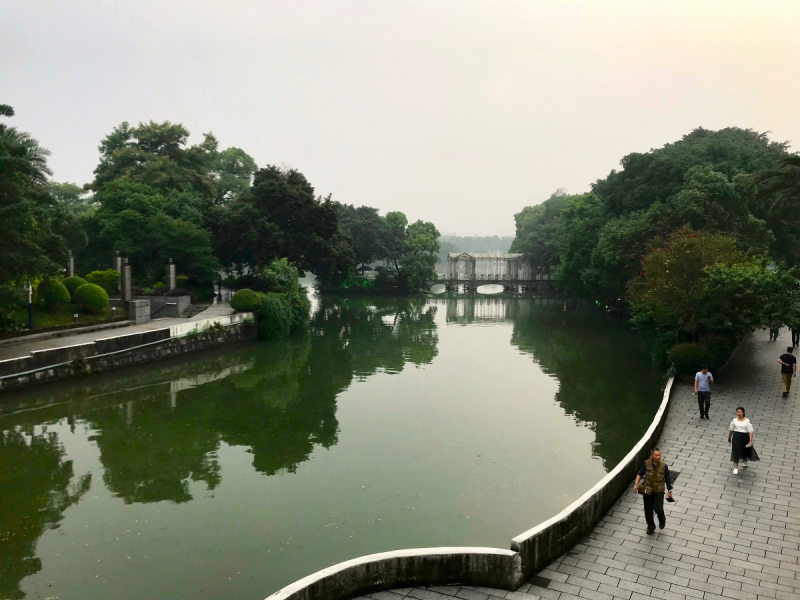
x=788, y=370
x=654, y=476
x=795, y=335
x=740, y=437
x=702, y=387
x=773, y=333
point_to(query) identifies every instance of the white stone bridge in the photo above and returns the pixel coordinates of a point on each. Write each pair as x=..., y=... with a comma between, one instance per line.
x=467, y=271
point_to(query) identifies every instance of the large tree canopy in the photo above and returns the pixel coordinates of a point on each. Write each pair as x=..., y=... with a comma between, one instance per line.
x=28, y=244
x=154, y=195
x=654, y=176
x=282, y=217
x=733, y=180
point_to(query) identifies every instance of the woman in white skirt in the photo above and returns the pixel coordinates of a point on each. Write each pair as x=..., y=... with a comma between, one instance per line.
x=740, y=437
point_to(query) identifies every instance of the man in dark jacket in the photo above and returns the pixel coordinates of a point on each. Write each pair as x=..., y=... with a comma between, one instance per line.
x=656, y=478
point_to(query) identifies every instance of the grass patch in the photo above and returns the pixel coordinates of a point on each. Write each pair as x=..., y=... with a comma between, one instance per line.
x=62, y=316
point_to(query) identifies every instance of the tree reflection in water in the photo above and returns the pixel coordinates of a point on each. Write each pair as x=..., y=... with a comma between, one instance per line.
x=36, y=487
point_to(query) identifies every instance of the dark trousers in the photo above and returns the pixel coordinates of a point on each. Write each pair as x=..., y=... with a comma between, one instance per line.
x=654, y=503
x=704, y=402
x=795, y=337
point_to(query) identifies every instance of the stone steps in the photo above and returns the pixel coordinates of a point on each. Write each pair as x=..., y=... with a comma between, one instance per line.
x=192, y=310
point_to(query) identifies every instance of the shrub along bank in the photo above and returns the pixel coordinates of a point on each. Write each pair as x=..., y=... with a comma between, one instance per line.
x=280, y=303
x=700, y=296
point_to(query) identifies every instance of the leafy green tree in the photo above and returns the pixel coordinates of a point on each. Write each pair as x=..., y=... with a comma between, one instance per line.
x=654, y=176
x=28, y=244
x=537, y=230
x=363, y=225
x=155, y=195
x=156, y=154
x=775, y=198
x=698, y=287
x=234, y=169
x=576, y=237
x=73, y=198
x=708, y=201
x=418, y=263
x=187, y=244
x=393, y=242
x=702, y=180
x=283, y=218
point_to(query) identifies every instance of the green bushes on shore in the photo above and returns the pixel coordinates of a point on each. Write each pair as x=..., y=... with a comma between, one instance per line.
x=73, y=283
x=690, y=358
x=52, y=293
x=91, y=297
x=282, y=308
x=245, y=300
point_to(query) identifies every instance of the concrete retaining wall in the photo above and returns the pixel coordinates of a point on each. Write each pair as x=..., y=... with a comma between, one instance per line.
x=488, y=567
x=549, y=540
x=169, y=348
x=67, y=361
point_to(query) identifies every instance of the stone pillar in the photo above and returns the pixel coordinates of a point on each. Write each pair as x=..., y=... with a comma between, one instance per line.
x=125, y=281
x=71, y=266
x=170, y=276
x=139, y=311
x=116, y=263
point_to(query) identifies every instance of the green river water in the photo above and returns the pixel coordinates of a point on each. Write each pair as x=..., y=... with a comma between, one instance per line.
x=392, y=424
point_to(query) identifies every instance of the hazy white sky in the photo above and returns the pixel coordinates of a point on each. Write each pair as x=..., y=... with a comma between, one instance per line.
x=456, y=112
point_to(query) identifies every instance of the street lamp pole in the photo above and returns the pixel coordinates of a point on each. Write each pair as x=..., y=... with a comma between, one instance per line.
x=30, y=305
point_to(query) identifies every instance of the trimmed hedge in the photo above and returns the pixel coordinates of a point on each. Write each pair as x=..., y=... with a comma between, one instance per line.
x=245, y=300
x=73, y=283
x=108, y=280
x=52, y=293
x=689, y=358
x=91, y=297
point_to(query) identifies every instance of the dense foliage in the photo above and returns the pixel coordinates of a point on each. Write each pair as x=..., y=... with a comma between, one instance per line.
x=409, y=251
x=108, y=280
x=73, y=283
x=91, y=297
x=245, y=300
x=282, y=217
x=734, y=182
x=156, y=197
x=52, y=293
x=698, y=288
x=29, y=243
x=689, y=358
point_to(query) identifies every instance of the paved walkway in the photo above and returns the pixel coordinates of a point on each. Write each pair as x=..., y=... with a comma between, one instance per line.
x=727, y=536
x=26, y=347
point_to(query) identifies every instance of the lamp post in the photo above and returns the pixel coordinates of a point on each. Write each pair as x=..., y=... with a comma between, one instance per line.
x=30, y=305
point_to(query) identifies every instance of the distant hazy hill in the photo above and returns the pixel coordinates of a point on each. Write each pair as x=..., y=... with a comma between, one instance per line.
x=474, y=243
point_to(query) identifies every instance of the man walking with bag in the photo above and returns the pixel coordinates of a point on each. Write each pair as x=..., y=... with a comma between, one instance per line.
x=651, y=481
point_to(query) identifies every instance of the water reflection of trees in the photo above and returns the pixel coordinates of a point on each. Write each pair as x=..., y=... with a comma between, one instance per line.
x=595, y=365
x=36, y=487
x=158, y=429
x=591, y=360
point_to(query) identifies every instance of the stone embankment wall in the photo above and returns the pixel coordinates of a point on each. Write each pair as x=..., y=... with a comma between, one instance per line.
x=57, y=364
x=488, y=567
